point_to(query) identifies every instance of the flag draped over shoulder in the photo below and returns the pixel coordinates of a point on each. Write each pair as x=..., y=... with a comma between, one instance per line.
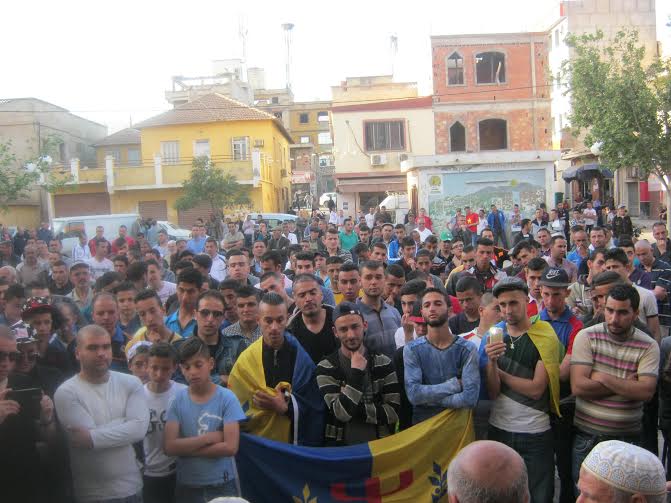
x=548, y=345
x=410, y=466
x=248, y=377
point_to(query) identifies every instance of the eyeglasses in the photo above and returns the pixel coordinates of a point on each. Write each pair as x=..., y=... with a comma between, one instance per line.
x=206, y=313
x=12, y=357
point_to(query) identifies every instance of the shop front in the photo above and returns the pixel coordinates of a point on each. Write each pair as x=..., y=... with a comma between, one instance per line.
x=592, y=182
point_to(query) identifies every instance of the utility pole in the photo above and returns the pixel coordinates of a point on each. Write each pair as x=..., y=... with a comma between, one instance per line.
x=288, y=27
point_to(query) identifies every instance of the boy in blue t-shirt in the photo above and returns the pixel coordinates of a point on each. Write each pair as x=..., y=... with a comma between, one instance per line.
x=202, y=430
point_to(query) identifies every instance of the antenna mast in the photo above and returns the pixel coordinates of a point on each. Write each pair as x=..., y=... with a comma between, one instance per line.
x=288, y=27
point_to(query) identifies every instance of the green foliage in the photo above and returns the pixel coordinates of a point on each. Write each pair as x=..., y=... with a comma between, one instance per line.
x=621, y=102
x=211, y=185
x=19, y=178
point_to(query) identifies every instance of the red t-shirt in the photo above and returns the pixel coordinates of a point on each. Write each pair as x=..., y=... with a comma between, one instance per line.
x=472, y=220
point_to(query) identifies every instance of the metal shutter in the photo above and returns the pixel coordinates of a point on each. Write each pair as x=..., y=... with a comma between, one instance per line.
x=74, y=205
x=186, y=218
x=158, y=210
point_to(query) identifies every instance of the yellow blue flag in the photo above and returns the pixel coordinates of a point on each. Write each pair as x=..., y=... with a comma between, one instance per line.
x=410, y=466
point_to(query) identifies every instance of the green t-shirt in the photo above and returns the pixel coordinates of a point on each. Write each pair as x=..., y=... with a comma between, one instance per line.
x=348, y=242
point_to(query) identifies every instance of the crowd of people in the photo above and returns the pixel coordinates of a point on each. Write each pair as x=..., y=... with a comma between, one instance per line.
x=129, y=367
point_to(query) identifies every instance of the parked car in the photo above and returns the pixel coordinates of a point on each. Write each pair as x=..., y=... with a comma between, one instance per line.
x=173, y=231
x=68, y=228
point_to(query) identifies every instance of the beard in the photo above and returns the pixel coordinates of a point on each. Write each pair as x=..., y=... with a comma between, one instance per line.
x=438, y=322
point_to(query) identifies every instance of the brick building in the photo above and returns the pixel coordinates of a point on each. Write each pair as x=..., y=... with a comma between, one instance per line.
x=491, y=109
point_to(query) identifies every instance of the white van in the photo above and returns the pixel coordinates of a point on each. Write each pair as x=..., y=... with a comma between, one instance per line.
x=398, y=205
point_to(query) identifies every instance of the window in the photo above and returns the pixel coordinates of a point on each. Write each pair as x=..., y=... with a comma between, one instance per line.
x=322, y=116
x=275, y=100
x=240, y=148
x=62, y=152
x=116, y=154
x=455, y=70
x=278, y=115
x=385, y=135
x=324, y=138
x=304, y=118
x=170, y=152
x=201, y=148
x=490, y=68
x=457, y=137
x=133, y=156
x=305, y=139
x=493, y=134
x=325, y=161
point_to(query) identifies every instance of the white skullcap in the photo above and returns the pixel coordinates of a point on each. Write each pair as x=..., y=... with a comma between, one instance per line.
x=626, y=467
x=133, y=349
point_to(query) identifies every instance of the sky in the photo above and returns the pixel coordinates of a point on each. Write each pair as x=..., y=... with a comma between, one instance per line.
x=112, y=62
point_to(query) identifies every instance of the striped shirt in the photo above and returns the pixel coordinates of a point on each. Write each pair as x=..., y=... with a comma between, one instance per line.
x=639, y=354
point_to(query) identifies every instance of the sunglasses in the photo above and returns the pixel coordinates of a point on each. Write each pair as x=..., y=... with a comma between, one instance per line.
x=206, y=313
x=12, y=357
x=30, y=357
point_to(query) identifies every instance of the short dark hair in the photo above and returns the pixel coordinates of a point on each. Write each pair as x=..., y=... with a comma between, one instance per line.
x=381, y=245
x=537, y=264
x=193, y=346
x=229, y=284
x=245, y=291
x=360, y=248
x=59, y=263
x=596, y=252
x=414, y=287
x=438, y=291
x=617, y=254
x=626, y=292
x=126, y=286
x=235, y=252
x=417, y=275
x=120, y=258
x=596, y=228
x=468, y=284
x=371, y=265
x=423, y=252
x=364, y=227
x=272, y=256
x=80, y=265
x=120, y=242
x=191, y=276
x=394, y=270
x=270, y=274
x=399, y=226
x=153, y=262
x=309, y=256
x=431, y=239
x=525, y=244
x=211, y=294
x=407, y=242
x=334, y=260
x=107, y=279
x=348, y=267
x=556, y=238
x=212, y=240
x=302, y=278
x=148, y=293
x=136, y=271
x=468, y=249
x=525, y=221
x=163, y=350
x=607, y=278
x=625, y=241
x=272, y=299
x=484, y=242
x=15, y=291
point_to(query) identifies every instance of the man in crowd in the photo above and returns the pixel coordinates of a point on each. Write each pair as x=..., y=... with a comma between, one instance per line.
x=238, y=268
x=29, y=270
x=80, y=249
x=189, y=285
x=104, y=414
x=497, y=223
x=557, y=258
x=152, y=314
x=246, y=330
x=347, y=236
x=661, y=248
x=99, y=264
x=197, y=242
x=259, y=379
x=581, y=250
x=660, y=278
x=82, y=292
x=218, y=267
x=59, y=281
x=543, y=236
x=441, y=369
x=622, y=225
x=312, y=325
x=522, y=378
x=484, y=271
x=332, y=246
x=233, y=238
x=358, y=410
x=611, y=384
x=469, y=294
x=305, y=264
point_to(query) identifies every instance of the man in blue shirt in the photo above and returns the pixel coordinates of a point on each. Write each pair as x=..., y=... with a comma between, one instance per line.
x=197, y=242
x=441, y=368
x=183, y=320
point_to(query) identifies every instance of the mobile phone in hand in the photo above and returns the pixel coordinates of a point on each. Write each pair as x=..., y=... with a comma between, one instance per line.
x=29, y=399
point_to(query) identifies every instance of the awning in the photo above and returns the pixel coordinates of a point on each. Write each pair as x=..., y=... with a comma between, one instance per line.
x=586, y=171
x=392, y=184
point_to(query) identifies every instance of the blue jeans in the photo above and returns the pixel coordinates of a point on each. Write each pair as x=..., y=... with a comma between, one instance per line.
x=194, y=494
x=584, y=442
x=537, y=453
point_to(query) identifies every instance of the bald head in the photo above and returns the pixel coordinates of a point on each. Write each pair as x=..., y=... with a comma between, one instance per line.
x=470, y=480
x=642, y=244
x=643, y=251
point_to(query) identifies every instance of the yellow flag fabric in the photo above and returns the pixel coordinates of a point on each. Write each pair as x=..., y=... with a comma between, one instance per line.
x=248, y=377
x=544, y=338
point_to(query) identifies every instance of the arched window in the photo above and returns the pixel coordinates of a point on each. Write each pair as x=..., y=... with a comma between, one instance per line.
x=457, y=137
x=455, y=70
x=493, y=134
x=490, y=68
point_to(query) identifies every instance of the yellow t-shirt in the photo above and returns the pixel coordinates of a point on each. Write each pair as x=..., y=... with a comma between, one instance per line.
x=339, y=297
x=140, y=335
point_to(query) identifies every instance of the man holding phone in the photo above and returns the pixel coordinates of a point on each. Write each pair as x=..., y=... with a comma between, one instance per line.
x=19, y=430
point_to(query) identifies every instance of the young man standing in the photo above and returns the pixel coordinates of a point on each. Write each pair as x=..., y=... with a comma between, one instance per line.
x=347, y=236
x=469, y=294
x=358, y=410
x=100, y=264
x=164, y=289
x=522, y=376
x=151, y=313
x=558, y=260
x=183, y=320
x=104, y=413
x=218, y=268
x=441, y=369
x=82, y=293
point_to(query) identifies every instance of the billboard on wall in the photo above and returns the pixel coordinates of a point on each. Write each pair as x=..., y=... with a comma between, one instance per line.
x=481, y=189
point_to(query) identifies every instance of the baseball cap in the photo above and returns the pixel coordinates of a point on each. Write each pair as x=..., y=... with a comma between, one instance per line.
x=36, y=304
x=510, y=284
x=133, y=349
x=314, y=228
x=620, y=206
x=446, y=236
x=346, y=309
x=557, y=278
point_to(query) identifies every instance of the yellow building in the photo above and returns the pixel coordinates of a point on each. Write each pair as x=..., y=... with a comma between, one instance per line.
x=244, y=141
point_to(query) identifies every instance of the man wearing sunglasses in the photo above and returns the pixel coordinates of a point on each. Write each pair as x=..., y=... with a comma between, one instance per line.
x=19, y=434
x=210, y=310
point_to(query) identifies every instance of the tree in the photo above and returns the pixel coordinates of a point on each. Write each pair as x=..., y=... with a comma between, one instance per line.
x=211, y=185
x=622, y=103
x=18, y=178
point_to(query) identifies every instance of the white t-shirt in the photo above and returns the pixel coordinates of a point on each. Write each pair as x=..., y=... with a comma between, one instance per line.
x=370, y=220
x=157, y=463
x=472, y=336
x=333, y=217
x=218, y=270
x=648, y=304
x=100, y=268
x=424, y=234
x=590, y=216
x=399, y=337
x=166, y=291
x=117, y=416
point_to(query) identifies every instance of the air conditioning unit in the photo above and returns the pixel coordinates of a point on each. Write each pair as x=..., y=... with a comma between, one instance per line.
x=258, y=143
x=283, y=173
x=402, y=157
x=378, y=159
